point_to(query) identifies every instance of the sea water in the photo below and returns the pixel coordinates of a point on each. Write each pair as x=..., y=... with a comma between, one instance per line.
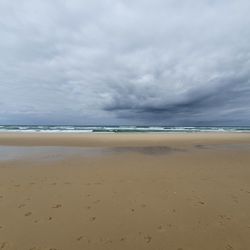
x=120, y=129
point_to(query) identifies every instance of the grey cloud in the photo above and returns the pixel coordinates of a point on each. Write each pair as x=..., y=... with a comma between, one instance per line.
x=222, y=105
x=162, y=62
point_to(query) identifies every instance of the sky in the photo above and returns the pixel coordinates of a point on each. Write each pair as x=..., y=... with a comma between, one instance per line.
x=137, y=62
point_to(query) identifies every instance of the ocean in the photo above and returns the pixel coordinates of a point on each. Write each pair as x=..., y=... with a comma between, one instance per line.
x=120, y=129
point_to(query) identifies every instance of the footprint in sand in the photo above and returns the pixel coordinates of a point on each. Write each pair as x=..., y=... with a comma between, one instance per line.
x=123, y=239
x=224, y=217
x=148, y=238
x=92, y=218
x=1, y=196
x=160, y=228
x=50, y=218
x=245, y=191
x=79, y=238
x=21, y=205
x=83, y=238
x=201, y=202
x=28, y=214
x=3, y=245
x=57, y=206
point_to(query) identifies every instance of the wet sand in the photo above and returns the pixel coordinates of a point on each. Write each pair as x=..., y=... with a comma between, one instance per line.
x=124, y=191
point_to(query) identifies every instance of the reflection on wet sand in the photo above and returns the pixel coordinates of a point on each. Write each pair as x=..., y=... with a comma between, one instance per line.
x=156, y=150
x=57, y=152
x=51, y=152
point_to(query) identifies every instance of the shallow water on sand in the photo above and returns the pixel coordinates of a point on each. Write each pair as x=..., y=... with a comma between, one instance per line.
x=8, y=153
x=55, y=153
x=46, y=152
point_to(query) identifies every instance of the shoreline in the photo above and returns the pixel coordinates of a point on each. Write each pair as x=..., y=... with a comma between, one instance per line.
x=119, y=139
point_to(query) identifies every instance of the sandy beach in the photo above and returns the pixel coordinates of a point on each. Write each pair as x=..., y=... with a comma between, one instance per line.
x=124, y=191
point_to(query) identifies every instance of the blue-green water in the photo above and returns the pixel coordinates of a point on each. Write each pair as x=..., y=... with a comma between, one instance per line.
x=120, y=129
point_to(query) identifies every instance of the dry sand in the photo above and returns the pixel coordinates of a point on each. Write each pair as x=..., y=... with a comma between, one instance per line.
x=125, y=191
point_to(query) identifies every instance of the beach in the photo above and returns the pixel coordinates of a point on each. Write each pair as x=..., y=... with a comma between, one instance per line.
x=72, y=191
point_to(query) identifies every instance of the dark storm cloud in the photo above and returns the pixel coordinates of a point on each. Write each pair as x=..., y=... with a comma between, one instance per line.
x=226, y=101
x=165, y=62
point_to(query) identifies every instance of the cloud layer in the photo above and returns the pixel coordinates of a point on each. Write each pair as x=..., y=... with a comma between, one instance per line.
x=125, y=62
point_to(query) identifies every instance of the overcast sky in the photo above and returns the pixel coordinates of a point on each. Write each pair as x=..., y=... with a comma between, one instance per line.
x=170, y=62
